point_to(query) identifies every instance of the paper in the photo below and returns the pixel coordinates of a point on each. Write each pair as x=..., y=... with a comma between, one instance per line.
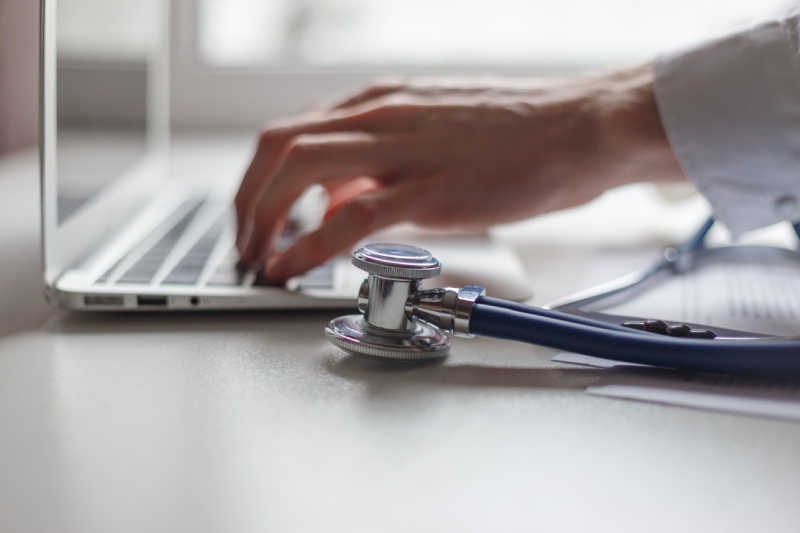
x=731, y=394
x=588, y=360
x=758, y=296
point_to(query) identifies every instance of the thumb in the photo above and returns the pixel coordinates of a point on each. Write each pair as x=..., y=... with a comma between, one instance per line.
x=354, y=220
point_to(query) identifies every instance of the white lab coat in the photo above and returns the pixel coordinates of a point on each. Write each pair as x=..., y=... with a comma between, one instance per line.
x=731, y=111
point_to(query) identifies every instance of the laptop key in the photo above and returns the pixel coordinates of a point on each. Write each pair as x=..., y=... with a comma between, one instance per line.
x=229, y=277
x=193, y=261
x=229, y=273
x=189, y=268
x=136, y=277
x=185, y=277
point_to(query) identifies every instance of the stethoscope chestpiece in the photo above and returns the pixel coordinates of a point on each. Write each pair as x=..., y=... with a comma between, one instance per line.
x=385, y=330
x=396, y=261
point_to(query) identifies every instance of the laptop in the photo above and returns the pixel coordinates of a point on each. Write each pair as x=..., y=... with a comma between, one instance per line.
x=136, y=219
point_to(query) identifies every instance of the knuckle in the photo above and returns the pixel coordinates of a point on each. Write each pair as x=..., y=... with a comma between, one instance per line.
x=269, y=138
x=387, y=84
x=392, y=106
x=302, y=148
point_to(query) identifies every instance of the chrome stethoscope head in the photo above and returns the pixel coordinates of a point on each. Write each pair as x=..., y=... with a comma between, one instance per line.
x=401, y=321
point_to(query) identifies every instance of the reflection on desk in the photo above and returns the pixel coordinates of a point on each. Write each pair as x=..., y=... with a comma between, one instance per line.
x=253, y=422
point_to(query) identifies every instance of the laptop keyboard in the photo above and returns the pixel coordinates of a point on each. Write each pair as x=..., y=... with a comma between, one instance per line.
x=190, y=266
x=145, y=269
x=148, y=262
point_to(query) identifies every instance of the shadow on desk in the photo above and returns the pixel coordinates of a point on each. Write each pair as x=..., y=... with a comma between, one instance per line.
x=451, y=372
x=477, y=363
x=187, y=322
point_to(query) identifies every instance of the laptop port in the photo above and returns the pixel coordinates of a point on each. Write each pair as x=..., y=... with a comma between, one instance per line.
x=103, y=299
x=151, y=301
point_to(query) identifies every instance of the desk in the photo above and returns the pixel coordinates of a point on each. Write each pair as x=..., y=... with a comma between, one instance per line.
x=252, y=422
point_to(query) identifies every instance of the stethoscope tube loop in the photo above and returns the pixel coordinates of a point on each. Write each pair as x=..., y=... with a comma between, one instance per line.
x=767, y=357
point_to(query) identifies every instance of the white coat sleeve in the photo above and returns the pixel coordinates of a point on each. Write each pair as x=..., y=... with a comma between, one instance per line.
x=731, y=112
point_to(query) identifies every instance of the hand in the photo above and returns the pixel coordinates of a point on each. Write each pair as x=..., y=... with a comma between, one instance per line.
x=444, y=154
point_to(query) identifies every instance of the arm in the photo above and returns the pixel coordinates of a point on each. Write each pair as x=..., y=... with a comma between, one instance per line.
x=450, y=155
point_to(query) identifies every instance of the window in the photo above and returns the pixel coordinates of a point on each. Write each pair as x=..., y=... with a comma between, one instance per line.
x=381, y=33
x=105, y=30
x=246, y=48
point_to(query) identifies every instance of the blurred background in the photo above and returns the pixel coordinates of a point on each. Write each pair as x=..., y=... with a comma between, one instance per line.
x=19, y=73
x=469, y=33
x=236, y=63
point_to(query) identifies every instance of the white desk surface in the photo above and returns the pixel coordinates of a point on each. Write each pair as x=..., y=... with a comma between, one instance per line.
x=252, y=422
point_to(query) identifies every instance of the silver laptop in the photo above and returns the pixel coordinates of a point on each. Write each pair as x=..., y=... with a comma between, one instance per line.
x=133, y=219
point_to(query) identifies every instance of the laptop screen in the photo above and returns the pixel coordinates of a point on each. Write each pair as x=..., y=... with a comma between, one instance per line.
x=102, y=49
x=104, y=120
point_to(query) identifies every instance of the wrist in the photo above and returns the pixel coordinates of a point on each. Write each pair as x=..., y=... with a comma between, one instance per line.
x=632, y=138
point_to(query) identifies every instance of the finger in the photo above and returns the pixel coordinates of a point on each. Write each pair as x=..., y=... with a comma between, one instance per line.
x=272, y=142
x=386, y=116
x=340, y=193
x=258, y=167
x=313, y=159
x=358, y=218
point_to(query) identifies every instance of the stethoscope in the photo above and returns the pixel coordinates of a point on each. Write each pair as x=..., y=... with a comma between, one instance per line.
x=401, y=321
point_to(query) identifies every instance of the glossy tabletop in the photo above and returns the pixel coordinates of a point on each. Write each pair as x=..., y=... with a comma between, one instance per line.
x=253, y=422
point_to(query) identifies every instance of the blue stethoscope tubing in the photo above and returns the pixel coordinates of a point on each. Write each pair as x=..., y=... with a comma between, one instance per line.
x=764, y=356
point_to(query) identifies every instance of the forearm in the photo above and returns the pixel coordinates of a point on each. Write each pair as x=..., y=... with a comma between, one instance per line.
x=635, y=145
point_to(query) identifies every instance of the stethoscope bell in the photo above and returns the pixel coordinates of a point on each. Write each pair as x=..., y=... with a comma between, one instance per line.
x=385, y=330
